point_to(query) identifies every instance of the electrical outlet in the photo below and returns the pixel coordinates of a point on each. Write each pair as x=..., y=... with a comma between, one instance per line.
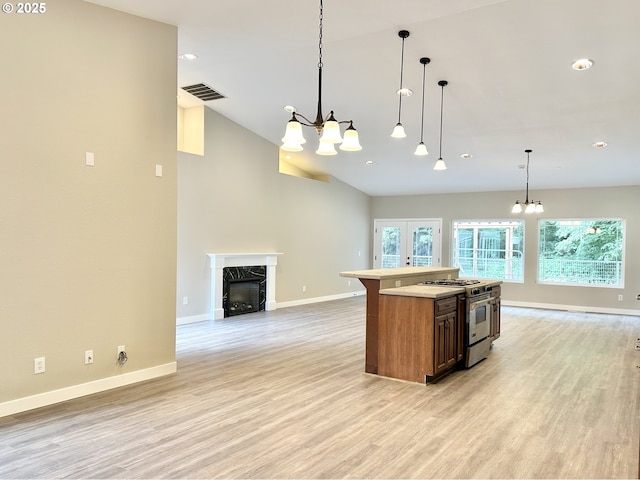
x=348, y=283
x=88, y=357
x=304, y=288
x=122, y=357
x=185, y=300
x=620, y=297
x=38, y=365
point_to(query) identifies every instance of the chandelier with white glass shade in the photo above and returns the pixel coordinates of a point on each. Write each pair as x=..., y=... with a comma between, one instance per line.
x=328, y=128
x=529, y=206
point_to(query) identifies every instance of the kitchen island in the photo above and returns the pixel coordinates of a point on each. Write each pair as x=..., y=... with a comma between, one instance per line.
x=387, y=278
x=423, y=322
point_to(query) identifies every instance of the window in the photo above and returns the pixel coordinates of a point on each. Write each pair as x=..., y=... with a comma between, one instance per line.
x=581, y=252
x=489, y=249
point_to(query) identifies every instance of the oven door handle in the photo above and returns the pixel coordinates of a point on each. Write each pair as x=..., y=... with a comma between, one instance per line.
x=479, y=303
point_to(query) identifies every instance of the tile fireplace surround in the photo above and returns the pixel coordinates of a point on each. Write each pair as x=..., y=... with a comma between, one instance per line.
x=221, y=260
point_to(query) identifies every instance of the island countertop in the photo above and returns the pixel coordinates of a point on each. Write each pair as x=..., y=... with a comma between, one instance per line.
x=426, y=291
x=399, y=272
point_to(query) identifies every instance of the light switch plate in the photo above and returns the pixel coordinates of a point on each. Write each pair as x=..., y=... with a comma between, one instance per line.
x=158, y=170
x=89, y=159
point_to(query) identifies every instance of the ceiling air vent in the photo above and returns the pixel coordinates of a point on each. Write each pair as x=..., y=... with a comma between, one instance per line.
x=203, y=92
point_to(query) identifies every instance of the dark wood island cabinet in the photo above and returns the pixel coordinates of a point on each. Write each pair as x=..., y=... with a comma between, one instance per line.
x=377, y=279
x=420, y=339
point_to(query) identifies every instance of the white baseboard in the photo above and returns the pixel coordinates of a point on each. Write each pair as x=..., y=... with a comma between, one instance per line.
x=307, y=301
x=203, y=317
x=56, y=396
x=507, y=303
x=570, y=308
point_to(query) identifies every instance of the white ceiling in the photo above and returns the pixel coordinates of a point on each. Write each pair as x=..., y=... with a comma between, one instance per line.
x=508, y=64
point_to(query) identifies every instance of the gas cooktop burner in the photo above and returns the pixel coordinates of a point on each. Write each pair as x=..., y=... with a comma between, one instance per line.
x=456, y=282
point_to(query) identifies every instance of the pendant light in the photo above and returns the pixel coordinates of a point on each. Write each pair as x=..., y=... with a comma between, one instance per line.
x=421, y=149
x=398, y=130
x=530, y=206
x=328, y=129
x=440, y=165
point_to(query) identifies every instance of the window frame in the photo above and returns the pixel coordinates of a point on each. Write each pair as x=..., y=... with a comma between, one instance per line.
x=620, y=285
x=455, y=224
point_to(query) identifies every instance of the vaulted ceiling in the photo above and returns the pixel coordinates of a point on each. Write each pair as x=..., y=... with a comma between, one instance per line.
x=508, y=64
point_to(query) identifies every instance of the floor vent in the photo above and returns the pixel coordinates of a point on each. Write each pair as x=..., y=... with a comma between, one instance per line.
x=203, y=92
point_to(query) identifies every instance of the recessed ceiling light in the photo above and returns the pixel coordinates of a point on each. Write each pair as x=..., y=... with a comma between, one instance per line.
x=370, y=163
x=188, y=56
x=290, y=109
x=599, y=144
x=582, y=64
x=465, y=155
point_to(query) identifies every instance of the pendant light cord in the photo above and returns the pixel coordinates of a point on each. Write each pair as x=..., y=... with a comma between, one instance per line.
x=401, y=72
x=319, y=122
x=320, y=38
x=526, y=200
x=424, y=74
x=441, y=104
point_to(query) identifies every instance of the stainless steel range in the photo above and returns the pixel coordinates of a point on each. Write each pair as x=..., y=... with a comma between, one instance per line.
x=478, y=315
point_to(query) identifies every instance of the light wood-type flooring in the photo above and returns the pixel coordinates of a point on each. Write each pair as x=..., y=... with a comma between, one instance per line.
x=283, y=394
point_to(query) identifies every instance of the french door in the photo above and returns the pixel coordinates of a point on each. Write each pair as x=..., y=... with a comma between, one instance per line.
x=406, y=243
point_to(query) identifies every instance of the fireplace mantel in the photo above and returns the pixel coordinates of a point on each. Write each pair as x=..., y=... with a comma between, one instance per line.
x=222, y=260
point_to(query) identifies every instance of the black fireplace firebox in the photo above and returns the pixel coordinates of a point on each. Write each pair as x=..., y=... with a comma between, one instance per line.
x=244, y=289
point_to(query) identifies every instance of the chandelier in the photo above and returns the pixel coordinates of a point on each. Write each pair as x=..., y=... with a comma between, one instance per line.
x=328, y=128
x=530, y=206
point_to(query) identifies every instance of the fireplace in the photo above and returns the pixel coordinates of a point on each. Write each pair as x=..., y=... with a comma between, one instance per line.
x=220, y=261
x=243, y=289
x=242, y=296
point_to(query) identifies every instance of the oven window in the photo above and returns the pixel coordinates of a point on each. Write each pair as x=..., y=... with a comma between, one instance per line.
x=481, y=314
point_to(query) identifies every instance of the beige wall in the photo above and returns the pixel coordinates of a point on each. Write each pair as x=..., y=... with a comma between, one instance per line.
x=617, y=202
x=87, y=254
x=322, y=227
x=233, y=200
